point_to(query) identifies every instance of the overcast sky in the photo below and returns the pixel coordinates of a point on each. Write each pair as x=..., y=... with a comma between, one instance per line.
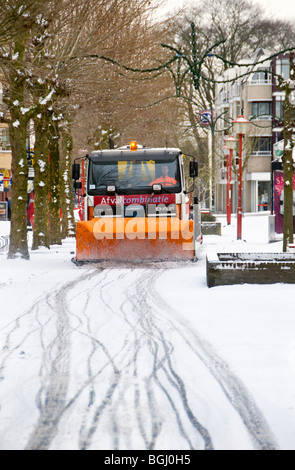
x=284, y=9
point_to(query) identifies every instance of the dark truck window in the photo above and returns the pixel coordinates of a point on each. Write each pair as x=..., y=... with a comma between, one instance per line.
x=134, y=176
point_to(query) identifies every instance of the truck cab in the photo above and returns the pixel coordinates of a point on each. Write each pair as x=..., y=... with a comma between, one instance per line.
x=136, y=182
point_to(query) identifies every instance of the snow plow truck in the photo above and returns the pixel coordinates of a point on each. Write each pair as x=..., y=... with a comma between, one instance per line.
x=135, y=206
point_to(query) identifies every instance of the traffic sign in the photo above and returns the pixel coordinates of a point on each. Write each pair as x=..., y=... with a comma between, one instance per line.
x=206, y=118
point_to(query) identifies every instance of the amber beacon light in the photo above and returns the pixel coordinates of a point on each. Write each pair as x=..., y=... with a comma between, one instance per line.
x=133, y=145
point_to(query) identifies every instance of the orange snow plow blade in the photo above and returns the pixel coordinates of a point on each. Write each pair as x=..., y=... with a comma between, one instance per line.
x=134, y=239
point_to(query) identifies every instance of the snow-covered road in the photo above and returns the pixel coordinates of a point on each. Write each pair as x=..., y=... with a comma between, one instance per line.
x=108, y=357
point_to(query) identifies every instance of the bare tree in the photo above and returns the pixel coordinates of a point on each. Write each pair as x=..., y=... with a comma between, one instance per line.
x=118, y=100
x=46, y=59
x=238, y=29
x=23, y=20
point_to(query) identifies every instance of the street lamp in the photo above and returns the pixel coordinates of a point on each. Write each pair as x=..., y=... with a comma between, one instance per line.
x=225, y=153
x=230, y=144
x=240, y=127
x=228, y=195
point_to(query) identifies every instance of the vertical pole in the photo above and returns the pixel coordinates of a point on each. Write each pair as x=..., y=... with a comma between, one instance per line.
x=229, y=206
x=230, y=182
x=227, y=191
x=210, y=168
x=83, y=191
x=239, y=212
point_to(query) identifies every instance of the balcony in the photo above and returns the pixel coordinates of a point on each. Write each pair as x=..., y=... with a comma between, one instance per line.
x=261, y=153
x=261, y=81
x=261, y=117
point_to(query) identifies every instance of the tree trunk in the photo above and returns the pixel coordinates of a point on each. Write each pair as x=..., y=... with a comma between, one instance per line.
x=19, y=166
x=54, y=186
x=41, y=168
x=19, y=196
x=67, y=203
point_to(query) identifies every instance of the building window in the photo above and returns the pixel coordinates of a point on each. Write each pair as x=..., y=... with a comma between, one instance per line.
x=283, y=68
x=261, y=109
x=4, y=139
x=279, y=108
x=262, y=146
x=261, y=77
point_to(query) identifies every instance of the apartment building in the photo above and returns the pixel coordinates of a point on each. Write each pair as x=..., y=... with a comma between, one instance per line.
x=253, y=93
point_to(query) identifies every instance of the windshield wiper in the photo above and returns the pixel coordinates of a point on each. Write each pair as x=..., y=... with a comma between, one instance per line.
x=120, y=191
x=168, y=190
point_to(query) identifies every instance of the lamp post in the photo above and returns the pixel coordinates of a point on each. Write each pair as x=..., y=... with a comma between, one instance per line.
x=240, y=127
x=230, y=144
x=225, y=151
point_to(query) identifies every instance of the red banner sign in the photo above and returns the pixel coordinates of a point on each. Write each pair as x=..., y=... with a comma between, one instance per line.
x=127, y=200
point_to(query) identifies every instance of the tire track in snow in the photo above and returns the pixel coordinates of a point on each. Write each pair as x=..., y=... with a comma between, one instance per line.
x=13, y=327
x=125, y=369
x=121, y=362
x=51, y=399
x=145, y=286
x=233, y=388
x=144, y=332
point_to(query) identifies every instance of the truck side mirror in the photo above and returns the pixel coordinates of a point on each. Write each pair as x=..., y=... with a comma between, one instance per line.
x=75, y=171
x=193, y=169
x=77, y=185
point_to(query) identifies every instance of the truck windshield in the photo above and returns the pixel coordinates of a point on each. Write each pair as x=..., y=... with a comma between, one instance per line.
x=134, y=177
